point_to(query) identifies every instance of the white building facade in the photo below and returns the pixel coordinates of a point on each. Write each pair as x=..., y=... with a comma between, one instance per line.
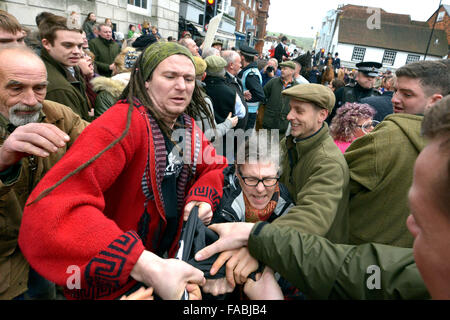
x=161, y=13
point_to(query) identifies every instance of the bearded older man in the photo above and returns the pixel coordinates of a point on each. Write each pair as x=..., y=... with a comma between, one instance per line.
x=35, y=134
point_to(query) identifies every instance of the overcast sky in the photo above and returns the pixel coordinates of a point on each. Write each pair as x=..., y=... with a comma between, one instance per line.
x=298, y=17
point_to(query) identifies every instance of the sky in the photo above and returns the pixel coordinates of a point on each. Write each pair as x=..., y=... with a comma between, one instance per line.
x=303, y=18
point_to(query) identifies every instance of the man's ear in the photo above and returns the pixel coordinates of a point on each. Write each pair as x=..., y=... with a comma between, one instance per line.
x=46, y=44
x=323, y=114
x=147, y=85
x=433, y=99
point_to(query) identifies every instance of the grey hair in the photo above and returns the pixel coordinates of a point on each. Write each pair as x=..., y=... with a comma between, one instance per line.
x=261, y=146
x=230, y=56
x=210, y=52
x=219, y=74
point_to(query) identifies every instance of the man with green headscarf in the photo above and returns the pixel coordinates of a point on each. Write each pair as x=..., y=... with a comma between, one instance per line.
x=108, y=218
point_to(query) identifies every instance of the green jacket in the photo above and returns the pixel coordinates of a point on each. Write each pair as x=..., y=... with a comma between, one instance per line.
x=318, y=183
x=108, y=92
x=323, y=270
x=64, y=88
x=381, y=170
x=105, y=52
x=14, y=191
x=277, y=105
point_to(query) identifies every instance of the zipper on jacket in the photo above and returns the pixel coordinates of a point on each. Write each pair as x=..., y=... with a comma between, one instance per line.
x=227, y=213
x=33, y=167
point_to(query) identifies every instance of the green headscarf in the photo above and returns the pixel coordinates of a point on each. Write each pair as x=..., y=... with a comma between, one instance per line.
x=157, y=52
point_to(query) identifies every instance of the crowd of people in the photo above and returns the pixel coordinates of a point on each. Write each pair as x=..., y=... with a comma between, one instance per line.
x=306, y=176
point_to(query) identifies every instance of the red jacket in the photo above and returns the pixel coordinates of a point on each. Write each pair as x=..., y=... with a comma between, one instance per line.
x=93, y=221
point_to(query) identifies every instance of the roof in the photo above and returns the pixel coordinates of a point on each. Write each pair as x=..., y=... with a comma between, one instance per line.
x=447, y=8
x=408, y=37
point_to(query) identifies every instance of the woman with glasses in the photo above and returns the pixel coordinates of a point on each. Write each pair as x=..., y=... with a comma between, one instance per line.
x=352, y=120
x=251, y=193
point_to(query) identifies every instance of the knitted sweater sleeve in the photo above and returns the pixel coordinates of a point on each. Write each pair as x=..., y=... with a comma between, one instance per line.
x=68, y=230
x=209, y=178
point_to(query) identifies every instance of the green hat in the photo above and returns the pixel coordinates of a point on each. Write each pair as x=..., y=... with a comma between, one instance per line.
x=215, y=63
x=200, y=66
x=155, y=53
x=318, y=94
x=289, y=64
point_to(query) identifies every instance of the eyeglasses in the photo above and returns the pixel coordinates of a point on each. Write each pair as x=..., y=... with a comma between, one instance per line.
x=368, y=125
x=253, y=182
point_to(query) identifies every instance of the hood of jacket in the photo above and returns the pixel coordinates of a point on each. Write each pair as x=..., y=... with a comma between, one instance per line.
x=410, y=125
x=114, y=85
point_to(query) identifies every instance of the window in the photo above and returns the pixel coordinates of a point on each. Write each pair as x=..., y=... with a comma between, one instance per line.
x=138, y=3
x=358, y=54
x=440, y=16
x=242, y=21
x=412, y=58
x=389, y=57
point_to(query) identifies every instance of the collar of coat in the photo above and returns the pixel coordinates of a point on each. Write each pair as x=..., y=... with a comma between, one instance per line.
x=305, y=144
x=59, y=66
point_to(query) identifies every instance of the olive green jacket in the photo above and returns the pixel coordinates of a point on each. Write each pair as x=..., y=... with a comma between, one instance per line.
x=105, y=52
x=64, y=88
x=15, y=190
x=108, y=92
x=277, y=106
x=316, y=174
x=381, y=170
x=323, y=270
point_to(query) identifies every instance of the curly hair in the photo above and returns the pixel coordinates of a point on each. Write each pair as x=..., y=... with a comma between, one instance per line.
x=345, y=123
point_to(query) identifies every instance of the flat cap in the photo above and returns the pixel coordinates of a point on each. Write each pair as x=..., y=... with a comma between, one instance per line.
x=217, y=42
x=215, y=63
x=369, y=68
x=318, y=94
x=289, y=64
x=200, y=66
x=247, y=50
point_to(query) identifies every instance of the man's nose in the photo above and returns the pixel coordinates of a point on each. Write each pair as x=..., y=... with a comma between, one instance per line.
x=29, y=98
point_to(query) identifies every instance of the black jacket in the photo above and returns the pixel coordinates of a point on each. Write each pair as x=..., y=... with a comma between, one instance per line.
x=382, y=104
x=253, y=84
x=236, y=84
x=350, y=94
x=222, y=96
x=280, y=52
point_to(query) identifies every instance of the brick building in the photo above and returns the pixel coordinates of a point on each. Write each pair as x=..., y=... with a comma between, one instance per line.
x=251, y=20
x=443, y=20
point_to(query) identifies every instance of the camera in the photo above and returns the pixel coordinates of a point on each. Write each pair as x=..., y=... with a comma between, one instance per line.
x=269, y=69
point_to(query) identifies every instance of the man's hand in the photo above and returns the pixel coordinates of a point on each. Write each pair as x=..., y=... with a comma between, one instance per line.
x=204, y=211
x=194, y=291
x=217, y=286
x=231, y=236
x=39, y=139
x=239, y=264
x=265, y=288
x=169, y=277
x=234, y=120
x=141, y=294
x=247, y=95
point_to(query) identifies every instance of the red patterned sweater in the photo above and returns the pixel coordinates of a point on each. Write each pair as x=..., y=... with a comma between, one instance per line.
x=94, y=220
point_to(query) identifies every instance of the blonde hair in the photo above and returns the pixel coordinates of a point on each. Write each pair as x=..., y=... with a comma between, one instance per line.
x=119, y=61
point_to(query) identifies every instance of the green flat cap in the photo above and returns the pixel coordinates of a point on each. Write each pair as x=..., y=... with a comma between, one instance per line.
x=318, y=94
x=289, y=64
x=215, y=63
